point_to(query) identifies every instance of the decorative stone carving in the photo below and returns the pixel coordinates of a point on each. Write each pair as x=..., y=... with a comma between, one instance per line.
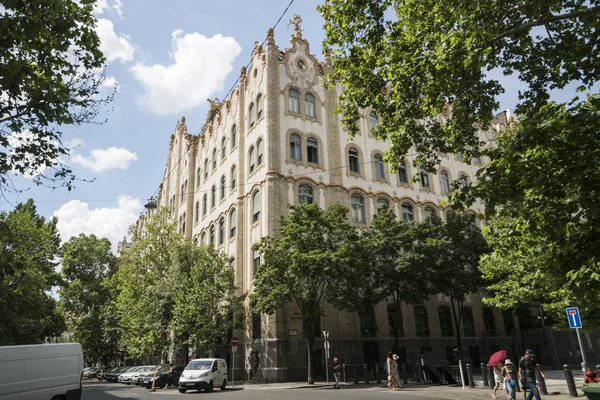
x=297, y=22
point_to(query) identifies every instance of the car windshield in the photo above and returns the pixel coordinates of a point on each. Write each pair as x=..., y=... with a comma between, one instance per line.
x=146, y=369
x=199, y=364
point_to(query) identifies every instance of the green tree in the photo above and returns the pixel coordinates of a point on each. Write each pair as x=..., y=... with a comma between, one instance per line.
x=543, y=185
x=405, y=60
x=87, y=266
x=50, y=76
x=207, y=307
x=300, y=266
x=403, y=257
x=147, y=280
x=28, y=249
x=459, y=246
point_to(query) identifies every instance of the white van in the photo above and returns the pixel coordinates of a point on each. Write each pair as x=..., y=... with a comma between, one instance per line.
x=204, y=373
x=41, y=372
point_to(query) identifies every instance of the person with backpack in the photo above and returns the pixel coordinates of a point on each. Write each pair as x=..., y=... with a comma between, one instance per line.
x=527, y=366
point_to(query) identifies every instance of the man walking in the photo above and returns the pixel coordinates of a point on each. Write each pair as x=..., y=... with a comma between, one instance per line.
x=336, y=372
x=527, y=368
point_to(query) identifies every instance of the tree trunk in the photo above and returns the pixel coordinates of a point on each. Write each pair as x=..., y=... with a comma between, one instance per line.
x=310, y=342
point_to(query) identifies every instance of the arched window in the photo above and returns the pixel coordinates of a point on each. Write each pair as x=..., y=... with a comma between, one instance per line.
x=180, y=224
x=311, y=105
x=488, y=320
x=259, y=106
x=468, y=322
x=183, y=224
x=198, y=178
x=251, y=159
x=251, y=116
x=425, y=179
x=232, y=223
x=446, y=327
x=368, y=323
x=212, y=235
x=312, y=151
x=296, y=147
x=221, y=230
x=305, y=194
x=421, y=321
x=214, y=160
x=373, y=120
x=259, y=152
x=223, y=149
x=203, y=239
x=357, y=203
x=430, y=214
x=408, y=214
x=222, y=187
x=382, y=204
x=403, y=173
x=256, y=206
x=294, y=100
x=379, y=168
x=473, y=220
x=464, y=180
x=182, y=193
x=233, y=136
x=197, y=214
x=445, y=182
x=213, y=196
x=204, y=204
x=205, y=168
x=233, y=179
x=395, y=320
x=353, y=160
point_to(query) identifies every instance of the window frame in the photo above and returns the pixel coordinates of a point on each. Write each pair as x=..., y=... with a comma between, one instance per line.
x=354, y=160
x=358, y=215
x=310, y=195
x=259, y=151
x=295, y=147
x=313, y=102
x=232, y=222
x=379, y=166
x=312, y=150
x=294, y=105
x=411, y=213
x=256, y=206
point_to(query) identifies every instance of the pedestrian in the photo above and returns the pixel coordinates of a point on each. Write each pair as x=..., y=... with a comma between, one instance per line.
x=397, y=374
x=336, y=372
x=497, y=378
x=509, y=376
x=391, y=370
x=527, y=368
x=169, y=377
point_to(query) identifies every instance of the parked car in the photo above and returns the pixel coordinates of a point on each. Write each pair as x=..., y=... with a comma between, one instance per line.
x=150, y=373
x=204, y=373
x=114, y=375
x=125, y=377
x=161, y=377
x=91, y=372
x=132, y=377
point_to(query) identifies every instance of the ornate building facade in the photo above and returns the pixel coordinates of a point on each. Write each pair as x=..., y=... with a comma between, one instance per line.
x=276, y=141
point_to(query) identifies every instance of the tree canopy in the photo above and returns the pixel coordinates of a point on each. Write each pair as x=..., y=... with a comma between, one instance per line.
x=50, y=76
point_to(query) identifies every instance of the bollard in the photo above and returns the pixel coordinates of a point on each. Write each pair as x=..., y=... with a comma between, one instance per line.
x=598, y=369
x=541, y=382
x=355, y=373
x=570, y=381
x=153, y=380
x=491, y=378
x=484, y=374
x=377, y=377
x=470, y=375
x=404, y=374
x=366, y=368
x=344, y=372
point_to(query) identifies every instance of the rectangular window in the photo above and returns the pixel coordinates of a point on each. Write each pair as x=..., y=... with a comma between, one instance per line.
x=256, y=331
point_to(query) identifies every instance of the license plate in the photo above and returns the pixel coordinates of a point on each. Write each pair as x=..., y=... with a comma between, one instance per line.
x=190, y=384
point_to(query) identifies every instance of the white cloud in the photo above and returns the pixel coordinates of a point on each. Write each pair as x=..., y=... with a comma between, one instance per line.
x=105, y=159
x=73, y=143
x=76, y=217
x=109, y=82
x=103, y=5
x=113, y=46
x=200, y=65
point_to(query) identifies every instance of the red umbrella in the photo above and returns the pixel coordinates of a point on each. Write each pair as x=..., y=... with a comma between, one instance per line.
x=497, y=358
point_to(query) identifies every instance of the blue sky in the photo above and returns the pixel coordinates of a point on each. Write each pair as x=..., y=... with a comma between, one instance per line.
x=167, y=58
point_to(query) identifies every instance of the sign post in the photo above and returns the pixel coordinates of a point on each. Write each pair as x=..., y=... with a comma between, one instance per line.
x=234, y=343
x=575, y=323
x=326, y=345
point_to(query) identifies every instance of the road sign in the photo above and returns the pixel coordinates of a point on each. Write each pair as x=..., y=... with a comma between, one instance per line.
x=235, y=341
x=574, y=317
x=233, y=349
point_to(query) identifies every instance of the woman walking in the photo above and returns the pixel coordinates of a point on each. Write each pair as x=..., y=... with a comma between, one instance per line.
x=392, y=370
x=509, y=374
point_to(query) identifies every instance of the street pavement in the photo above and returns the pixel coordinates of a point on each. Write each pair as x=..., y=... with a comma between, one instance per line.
x=93, y=390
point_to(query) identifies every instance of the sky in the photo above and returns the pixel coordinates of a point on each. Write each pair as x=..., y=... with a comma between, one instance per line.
x=167, y=57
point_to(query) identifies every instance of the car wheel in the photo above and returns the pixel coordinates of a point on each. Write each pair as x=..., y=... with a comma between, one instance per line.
x=181, y=390
x=210, y=387
x=224, y=384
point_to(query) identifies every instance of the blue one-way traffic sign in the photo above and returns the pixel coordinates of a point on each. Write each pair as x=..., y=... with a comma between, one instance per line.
x=574, y=318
